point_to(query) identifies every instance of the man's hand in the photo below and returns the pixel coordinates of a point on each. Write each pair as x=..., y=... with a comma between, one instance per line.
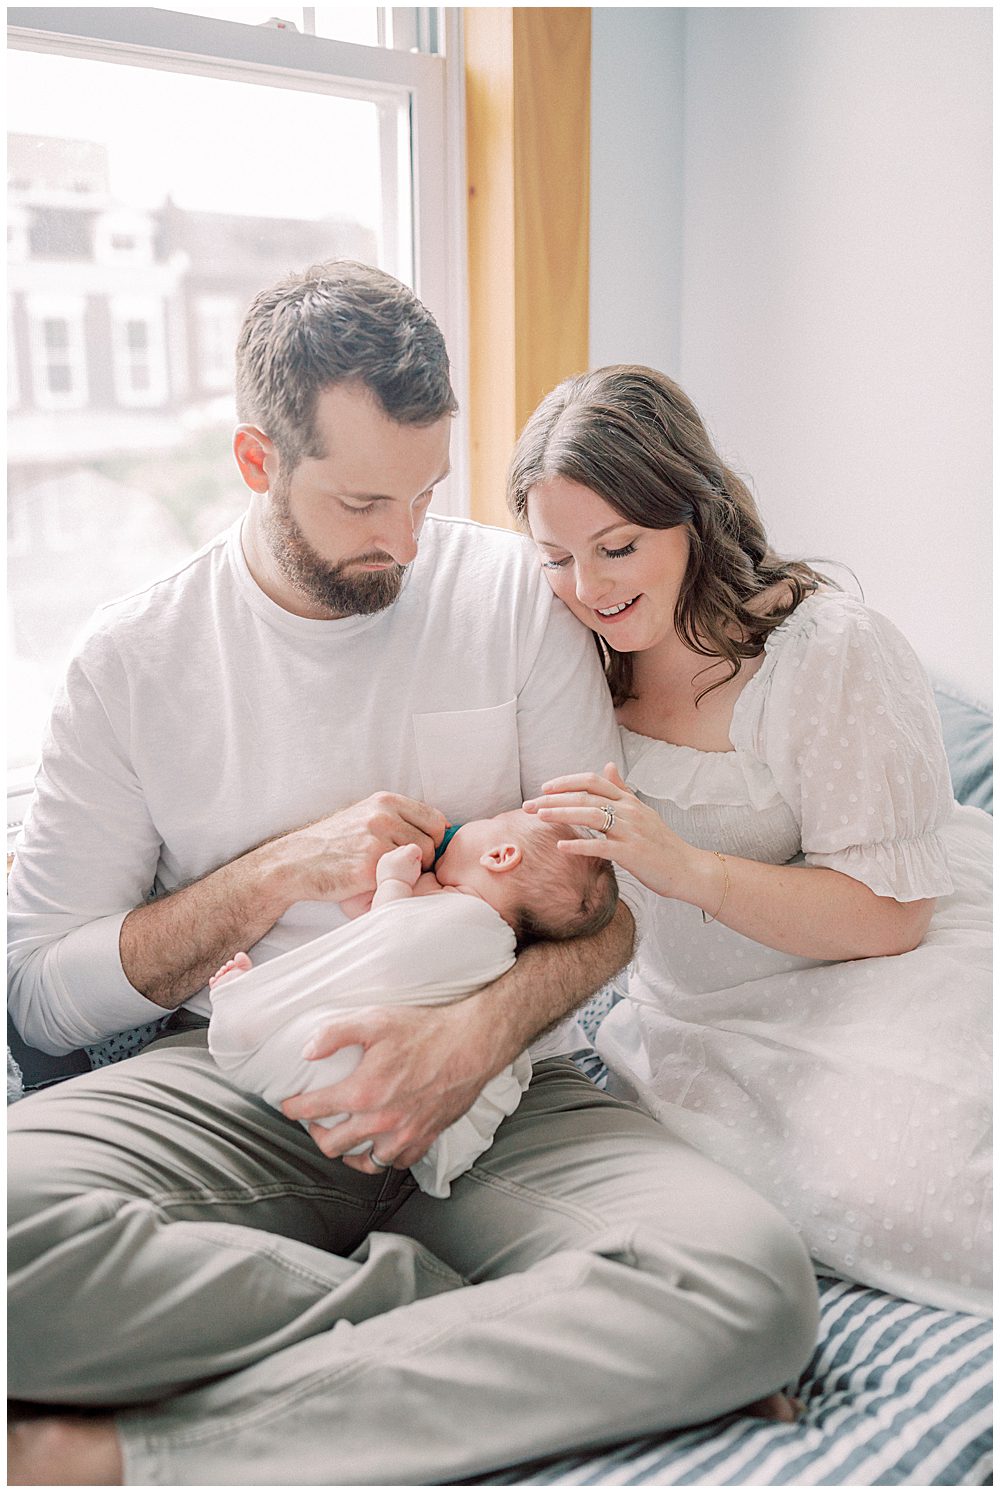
x=169, y=947
x=334, y=859
x=423, y=1067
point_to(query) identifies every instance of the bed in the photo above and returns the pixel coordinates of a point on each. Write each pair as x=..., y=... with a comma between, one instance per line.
x=895, y=1393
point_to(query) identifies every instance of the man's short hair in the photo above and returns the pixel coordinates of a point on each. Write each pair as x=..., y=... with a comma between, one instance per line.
x=334, y=323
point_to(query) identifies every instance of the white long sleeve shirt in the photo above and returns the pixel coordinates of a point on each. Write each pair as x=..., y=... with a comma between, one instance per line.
x=199, y=718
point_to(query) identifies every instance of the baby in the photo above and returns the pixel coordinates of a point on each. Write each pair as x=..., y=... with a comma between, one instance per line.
x=428, y=938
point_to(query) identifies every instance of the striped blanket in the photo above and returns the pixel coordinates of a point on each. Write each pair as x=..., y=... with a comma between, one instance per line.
x=895, y=1394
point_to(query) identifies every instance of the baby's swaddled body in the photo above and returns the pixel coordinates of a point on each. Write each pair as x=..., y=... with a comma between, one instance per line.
x=417, y=951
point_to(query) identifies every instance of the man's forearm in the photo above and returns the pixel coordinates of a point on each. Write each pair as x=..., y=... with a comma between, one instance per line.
x=548, y=981
x=169, y=948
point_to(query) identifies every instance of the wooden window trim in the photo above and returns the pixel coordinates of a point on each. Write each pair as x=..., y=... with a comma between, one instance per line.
x=527, y=73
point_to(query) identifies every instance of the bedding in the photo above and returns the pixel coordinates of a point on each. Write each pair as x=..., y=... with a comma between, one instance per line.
x=895, y=1395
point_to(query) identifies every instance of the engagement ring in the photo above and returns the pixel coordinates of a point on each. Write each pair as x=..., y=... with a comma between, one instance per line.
x=609, y=816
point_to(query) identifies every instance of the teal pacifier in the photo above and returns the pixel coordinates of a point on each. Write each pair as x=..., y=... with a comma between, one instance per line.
x=449, y=835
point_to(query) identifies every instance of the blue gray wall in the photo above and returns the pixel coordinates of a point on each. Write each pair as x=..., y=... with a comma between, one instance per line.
x=790, y=213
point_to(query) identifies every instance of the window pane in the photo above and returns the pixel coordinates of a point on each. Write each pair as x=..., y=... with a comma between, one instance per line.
x=56, y=335
x=136, y=252
x=357, y=23
x=138, y=335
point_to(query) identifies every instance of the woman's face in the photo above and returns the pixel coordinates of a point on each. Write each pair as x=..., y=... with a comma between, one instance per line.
x=620, y=579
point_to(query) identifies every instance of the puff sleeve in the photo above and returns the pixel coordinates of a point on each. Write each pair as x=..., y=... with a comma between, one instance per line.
x=845, y=719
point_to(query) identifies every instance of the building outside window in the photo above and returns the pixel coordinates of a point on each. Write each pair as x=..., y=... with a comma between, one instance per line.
x=13, y=377
x=163, y=168
x=218, y=320
x=58, y=351
x=139, y=352
x=125, y=236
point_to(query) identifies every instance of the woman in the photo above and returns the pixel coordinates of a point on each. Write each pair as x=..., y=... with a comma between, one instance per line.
x=810, y=1005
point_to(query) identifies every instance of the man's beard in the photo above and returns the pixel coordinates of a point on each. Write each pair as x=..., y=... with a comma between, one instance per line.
x=333, y=586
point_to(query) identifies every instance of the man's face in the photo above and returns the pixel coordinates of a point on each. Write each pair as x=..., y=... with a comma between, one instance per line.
x=339, y=530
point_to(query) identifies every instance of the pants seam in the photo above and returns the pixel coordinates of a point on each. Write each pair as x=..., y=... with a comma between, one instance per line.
x=537, y=1199
x=228, y=1423
x=248, y=1195
x=275, y=1255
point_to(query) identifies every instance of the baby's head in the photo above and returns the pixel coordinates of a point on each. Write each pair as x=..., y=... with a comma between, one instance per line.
x=513, y=862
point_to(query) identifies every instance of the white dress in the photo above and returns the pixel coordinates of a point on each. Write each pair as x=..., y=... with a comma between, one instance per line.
x=855, y=1095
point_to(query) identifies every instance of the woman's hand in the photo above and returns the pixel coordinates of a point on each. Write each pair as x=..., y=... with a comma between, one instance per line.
x=809, y=911
x=638, y=840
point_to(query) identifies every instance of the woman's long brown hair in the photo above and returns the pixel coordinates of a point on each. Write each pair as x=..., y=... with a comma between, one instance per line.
x=633, y=437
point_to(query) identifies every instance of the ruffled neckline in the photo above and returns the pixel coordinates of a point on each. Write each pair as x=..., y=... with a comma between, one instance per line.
x=687, y=775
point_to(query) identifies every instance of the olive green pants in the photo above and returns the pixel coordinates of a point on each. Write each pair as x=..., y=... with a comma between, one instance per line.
x=260, y=1314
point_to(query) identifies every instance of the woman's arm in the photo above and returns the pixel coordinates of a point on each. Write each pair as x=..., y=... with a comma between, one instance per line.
x=809, y=911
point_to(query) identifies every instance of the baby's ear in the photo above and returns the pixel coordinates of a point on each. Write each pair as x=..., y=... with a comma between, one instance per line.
x=505, y=856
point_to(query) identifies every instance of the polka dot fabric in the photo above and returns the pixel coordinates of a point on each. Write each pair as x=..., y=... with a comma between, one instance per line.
x=854, y=1095
x=124, y=1044
x=844, y=718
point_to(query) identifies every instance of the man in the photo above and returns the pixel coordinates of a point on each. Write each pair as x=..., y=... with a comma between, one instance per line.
x=233, y=749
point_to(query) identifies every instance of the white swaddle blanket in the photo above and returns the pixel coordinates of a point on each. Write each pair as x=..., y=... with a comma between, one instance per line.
x=421, y=951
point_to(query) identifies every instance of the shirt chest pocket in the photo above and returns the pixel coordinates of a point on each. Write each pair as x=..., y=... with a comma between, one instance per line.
x=468, y=760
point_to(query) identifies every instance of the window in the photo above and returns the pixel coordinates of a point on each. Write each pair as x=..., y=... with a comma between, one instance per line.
x=218, y=320
x=56, y=234
x=164, y=166
x=125, y=235
x=58, y=352
x=358, y=23
x=138, y=352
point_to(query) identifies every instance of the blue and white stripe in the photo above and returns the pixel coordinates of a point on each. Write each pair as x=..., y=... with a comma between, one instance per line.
x=895, y=1394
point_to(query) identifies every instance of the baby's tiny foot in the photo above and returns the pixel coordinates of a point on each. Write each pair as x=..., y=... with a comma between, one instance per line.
x=780, y=1407
x=238, y=965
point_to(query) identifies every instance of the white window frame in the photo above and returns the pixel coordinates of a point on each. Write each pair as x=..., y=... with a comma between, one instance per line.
x=43, y=307
x=147, y=309
x=428, y=88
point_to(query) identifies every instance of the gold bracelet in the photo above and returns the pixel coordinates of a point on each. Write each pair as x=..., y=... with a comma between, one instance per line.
x=725, y=893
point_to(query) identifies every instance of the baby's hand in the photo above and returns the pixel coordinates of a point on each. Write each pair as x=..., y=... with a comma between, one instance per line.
x=401, y=864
